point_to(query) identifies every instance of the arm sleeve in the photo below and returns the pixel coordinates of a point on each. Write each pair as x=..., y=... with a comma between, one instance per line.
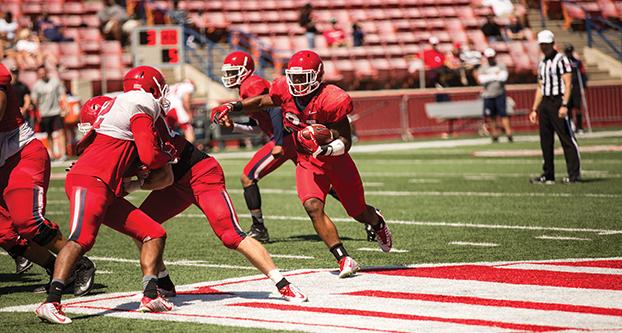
x=277, y=124
x=246, y=128
x=503, y=74
x=342, y=106
x=147, y=142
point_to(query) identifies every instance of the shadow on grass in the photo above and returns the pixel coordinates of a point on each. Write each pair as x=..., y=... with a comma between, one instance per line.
x=312, y=238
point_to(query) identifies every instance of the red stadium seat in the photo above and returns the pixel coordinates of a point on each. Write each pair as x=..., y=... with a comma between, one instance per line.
x=70, y=48
x=91, y=21
x=73, y=33
x=75, y=8
x=71, y=61
x=111, y=62
x=111, y=47
x=92, y=60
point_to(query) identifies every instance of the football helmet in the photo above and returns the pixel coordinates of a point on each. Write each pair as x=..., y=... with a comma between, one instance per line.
x=148, y=79
x=237, y=67
x=304, y=73
x=90, y=111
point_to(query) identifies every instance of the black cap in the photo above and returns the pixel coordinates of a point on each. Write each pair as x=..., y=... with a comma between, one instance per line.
x=569, y=48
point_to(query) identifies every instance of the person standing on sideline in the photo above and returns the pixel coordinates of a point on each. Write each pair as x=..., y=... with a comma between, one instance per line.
x=550, y=107
x=307, y=21
x=48, y=93
x=579, y=82
x=492, y=76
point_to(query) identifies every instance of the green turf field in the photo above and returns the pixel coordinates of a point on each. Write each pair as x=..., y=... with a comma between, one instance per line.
x=436, y=198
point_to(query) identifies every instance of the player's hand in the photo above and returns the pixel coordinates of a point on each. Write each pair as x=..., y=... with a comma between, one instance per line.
x=171, y=151
x=563, y=111
x=277, y=151
x=308, y=145
x=533, y=117
x=227, y=122
x=219, y=112
x=130, y=185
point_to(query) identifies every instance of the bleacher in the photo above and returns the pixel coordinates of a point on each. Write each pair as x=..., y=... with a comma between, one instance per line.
x=88, y=55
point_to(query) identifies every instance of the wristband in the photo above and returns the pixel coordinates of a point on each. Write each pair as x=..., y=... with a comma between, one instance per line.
x=565, y=105
x=237, y=106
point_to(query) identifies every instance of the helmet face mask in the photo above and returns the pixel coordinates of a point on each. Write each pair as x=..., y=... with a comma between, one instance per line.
x=304, y=73
x=237, y=67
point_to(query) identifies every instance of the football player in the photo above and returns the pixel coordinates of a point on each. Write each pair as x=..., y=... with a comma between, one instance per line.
x=180, y=113
x=122, y=133
x=24, y=180
x=304, y=100
x=237, y=73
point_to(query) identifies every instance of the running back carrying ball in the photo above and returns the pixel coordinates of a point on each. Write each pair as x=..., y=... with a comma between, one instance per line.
x=313, y=136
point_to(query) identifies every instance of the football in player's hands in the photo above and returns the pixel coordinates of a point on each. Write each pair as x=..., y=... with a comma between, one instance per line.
x=313, y=136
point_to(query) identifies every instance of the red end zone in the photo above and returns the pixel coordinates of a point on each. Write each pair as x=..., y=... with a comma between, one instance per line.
x=496, y=297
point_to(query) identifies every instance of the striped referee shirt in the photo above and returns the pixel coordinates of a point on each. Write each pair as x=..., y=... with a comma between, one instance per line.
x=550, y=72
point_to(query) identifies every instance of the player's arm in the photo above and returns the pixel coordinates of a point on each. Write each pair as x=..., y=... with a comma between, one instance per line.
x=342, y=132
x=159, y=178
x=146, y=141
x=3, y=101
x=249, y=105
x=186, y=101
x=276, y=117
x=536, y=103
x=27, y=103
x=249, y=128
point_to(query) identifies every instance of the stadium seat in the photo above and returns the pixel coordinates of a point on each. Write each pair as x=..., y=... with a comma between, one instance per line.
x=112, y=62
x=112, y=47
x=330, y=72
x=71, y=61
x=70, y=48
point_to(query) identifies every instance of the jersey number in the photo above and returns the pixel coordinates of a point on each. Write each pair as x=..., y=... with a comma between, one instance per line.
x=292, y=118
x=105, y=108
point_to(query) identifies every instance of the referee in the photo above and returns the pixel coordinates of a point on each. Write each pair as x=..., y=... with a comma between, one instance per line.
x=551, y=104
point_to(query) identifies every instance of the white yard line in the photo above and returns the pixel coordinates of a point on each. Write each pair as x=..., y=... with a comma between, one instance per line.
x=375, y=249
x=473, y=244
x=562, y=238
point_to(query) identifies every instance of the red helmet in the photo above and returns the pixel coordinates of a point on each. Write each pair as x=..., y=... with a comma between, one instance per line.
x=145, y=78
x=304, y=73
x=236, y=68
x=90, y=111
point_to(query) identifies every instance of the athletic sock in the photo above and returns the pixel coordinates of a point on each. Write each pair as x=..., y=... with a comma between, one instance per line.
x=339, y=251
x=150, y=286
x=276, y=277
x=257, y=218
x=49, y=266
x=56, y=291
x=164, y=281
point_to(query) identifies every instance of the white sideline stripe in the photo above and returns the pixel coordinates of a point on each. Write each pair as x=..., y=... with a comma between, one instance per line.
x=424, y=181
x=289, y=256
x=562, y=238
x=103, y=272
x=473, y=244
x=440, y=224
x=188, y=263
x=569, y=269
x=370, y=249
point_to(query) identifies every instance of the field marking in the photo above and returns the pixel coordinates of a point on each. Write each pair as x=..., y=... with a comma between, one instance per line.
x=558, y=268
x=375, y=249
x=562, y=238
x=474, y=244
x=290, y=256
x=186, y=263
x=424, y=181
x=538, y=152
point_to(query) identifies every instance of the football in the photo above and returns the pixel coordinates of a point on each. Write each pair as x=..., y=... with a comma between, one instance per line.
x=320, y=132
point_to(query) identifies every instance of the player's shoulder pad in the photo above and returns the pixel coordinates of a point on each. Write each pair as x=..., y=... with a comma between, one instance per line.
x=333, y=97
x=138, y=101
x=279, y=87
x=5, y=76
x=255, y=84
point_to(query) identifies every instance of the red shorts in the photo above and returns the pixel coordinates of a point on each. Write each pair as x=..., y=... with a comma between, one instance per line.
x=91, y=203
x=342, y=174
x=9, y=239
x=263, y=163
x=204, y=186
x=24, y=180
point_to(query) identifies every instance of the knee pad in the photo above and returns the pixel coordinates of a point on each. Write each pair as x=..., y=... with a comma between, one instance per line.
x=46, y=231
x=231, y=239
x=252, y=197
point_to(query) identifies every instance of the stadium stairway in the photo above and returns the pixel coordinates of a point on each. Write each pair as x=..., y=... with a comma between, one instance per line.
x=579, y=40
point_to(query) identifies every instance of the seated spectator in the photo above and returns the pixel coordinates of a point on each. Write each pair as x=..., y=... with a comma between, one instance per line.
x=115, y=23
x=433, y=62
x=515, y=29
x=49, y=31
x=358, y=36
x=27, y=47
x=335, y=36
x=501, y=8
x=8, y=26
x=492, y=30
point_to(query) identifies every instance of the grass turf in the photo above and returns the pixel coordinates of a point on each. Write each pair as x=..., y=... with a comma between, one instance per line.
x=426, y=185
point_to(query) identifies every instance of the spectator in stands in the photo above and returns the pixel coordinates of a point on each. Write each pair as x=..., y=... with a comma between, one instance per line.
x=8, y=26
x=115, y=23
x=28, y=50
x=50, y=31
x=492, y=76
x=307, y=21
x=492, y=30
x=579, y=83
x=514, y=30
x=22, y=92
x=335, y=36
x=358, y=36
x=48, y=93
x=176, y=16
x=455, y=74
x=433, y=61
x=501, y=8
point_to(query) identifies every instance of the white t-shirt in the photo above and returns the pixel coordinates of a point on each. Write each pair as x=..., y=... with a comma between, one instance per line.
x=116, y=122
x=27, y=46
x=176, y=95
x=8, y=28
x=500, y=7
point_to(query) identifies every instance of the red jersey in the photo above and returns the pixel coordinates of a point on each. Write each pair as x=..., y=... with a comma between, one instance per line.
x=12, y=116
x=330, y=104
x=254, y=86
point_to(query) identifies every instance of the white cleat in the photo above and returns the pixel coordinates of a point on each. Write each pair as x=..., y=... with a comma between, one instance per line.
x=348, y=267
x=158, y=304
x=292, y=294
x=52, y=313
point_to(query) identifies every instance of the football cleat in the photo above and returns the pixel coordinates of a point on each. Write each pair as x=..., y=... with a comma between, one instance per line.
x=292, y=294
x=384, y=237
x=22, y=265
x=542, y=180
x=259, y=233
x=371, y=234
x=158, y=304
x=347, y=267
x=52, y=313
x=167, y=293
x=85, y=277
